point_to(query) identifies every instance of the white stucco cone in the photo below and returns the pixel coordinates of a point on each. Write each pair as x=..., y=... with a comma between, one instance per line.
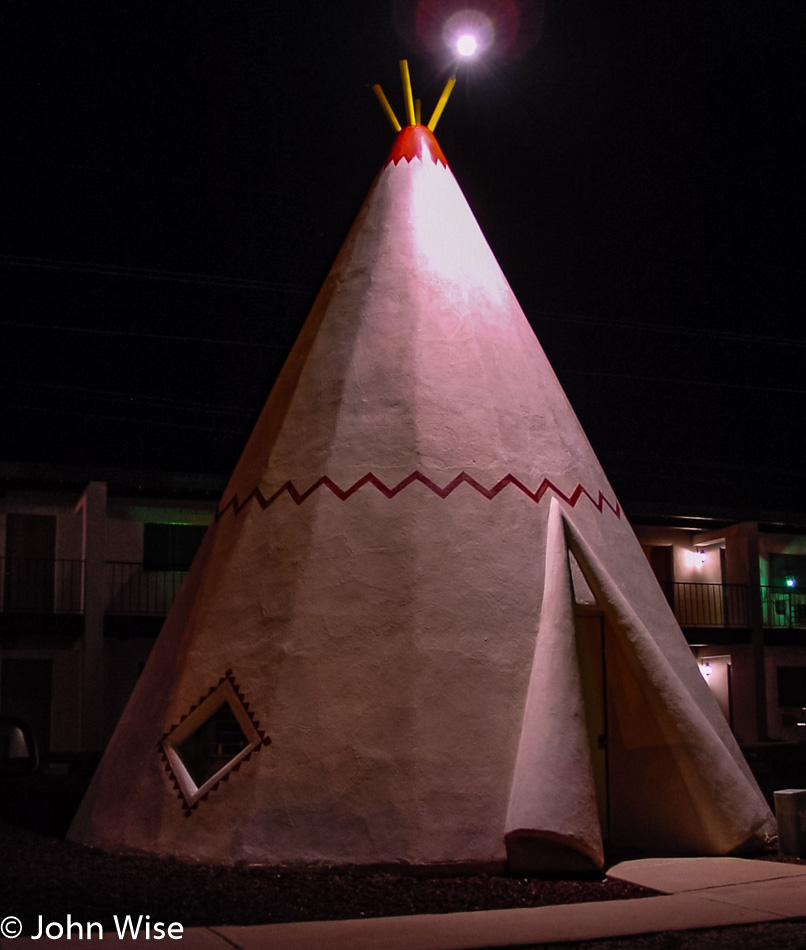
x=372, y=600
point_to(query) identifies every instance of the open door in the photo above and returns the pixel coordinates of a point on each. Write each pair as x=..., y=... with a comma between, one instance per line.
x=635, y=772
x=643, y=795
x=590, y=632
x=30, y=563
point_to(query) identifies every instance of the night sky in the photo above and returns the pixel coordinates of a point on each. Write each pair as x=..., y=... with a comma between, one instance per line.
x=178, y=177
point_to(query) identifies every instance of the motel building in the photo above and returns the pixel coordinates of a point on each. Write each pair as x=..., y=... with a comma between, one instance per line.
x=91, y=562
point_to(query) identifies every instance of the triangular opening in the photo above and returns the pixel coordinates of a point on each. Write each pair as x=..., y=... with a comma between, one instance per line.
x=668, y=771
x=552, y=823
x=583, y=595
x=614, y=746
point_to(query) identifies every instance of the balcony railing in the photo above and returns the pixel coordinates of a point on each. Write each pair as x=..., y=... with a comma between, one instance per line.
x=57, y=586
x=783, y=606
x=708, y=605
x=133, y=591
x=41, y=585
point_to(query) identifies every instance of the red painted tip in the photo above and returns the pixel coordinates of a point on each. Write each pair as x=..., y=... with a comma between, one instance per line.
x=415, y=141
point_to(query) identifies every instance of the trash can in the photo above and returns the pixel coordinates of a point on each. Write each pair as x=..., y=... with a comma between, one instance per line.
x=790, y=812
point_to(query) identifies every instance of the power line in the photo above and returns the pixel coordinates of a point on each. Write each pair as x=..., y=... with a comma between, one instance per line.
x=681, y=465
x=152, y=273
x=715, y=384
x=671, y=329
x=163, y=423
x=285, y=348
x=218, y=341
x=146, y=400
x=305, y=290
x=218, y=407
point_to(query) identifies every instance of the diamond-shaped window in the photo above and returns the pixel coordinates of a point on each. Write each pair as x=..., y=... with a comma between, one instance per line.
x=210, y=742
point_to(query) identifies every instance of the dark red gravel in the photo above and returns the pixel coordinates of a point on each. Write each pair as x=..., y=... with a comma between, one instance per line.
x=46, y=875
x=49, y=876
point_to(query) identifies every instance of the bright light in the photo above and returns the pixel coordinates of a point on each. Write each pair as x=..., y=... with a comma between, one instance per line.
x=466, y=45
x=695, y=558
x=791, y=581
x=468, y=31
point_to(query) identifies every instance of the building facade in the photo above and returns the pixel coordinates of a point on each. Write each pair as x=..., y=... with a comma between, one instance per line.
x=88, y=570
x=90, y=566
x=738, y=591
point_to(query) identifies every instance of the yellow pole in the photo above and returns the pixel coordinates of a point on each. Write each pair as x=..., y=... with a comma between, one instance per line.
x=418, y=109
x=443, y=99
x=404, y=75
x=390, y=115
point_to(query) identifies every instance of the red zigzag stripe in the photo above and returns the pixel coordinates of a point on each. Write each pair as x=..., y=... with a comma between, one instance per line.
x=462, y=478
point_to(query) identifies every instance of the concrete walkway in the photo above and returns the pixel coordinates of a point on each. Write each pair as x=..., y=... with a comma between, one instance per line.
x=698, y=892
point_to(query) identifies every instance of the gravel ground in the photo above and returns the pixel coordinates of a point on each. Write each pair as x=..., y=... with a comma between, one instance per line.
x=43, y=874
x=49, y=876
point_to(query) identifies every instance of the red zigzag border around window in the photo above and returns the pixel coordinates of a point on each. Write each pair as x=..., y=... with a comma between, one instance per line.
x=264, y=741
x=599, y=502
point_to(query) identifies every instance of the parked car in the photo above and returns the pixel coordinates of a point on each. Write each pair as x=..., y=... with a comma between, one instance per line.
x=18, y=752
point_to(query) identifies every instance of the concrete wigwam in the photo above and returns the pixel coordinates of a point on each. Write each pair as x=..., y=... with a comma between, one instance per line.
x=420, y=630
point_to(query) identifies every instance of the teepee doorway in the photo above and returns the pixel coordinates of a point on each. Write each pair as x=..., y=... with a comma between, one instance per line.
x=591, y=651
x=644, y=795
x=631, y=762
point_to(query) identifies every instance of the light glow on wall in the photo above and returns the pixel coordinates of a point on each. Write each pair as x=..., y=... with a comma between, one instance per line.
x=695, y=558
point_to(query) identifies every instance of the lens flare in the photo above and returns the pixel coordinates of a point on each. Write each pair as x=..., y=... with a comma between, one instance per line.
x=502, y=28
x=468, y=31
x=466, y=45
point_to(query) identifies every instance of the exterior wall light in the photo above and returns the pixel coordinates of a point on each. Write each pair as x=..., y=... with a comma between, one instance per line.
x=695, y=558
